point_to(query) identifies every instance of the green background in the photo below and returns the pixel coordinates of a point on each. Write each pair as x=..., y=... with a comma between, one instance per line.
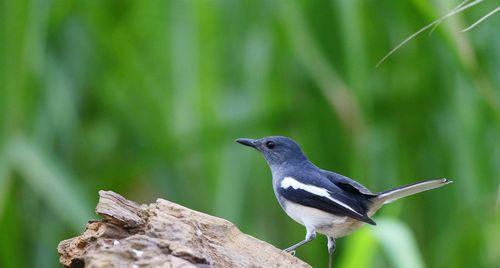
x=146, y=98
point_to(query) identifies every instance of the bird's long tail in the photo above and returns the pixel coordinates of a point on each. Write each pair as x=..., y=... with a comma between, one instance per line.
x=410, y=189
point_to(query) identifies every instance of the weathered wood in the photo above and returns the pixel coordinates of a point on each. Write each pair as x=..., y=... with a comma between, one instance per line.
x=120, y=211
x=165, y=234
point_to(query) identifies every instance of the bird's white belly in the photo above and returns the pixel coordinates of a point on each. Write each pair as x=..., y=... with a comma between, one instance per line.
x=323, y=222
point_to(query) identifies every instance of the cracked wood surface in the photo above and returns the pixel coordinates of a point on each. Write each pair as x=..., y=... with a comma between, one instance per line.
x=165, y=234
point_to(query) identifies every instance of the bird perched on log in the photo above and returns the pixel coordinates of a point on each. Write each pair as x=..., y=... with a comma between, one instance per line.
x=324, y=201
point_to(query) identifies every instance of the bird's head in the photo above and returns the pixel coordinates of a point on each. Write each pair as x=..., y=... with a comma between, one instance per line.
x=277, y=150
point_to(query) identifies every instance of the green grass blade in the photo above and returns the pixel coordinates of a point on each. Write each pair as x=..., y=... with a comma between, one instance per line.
x=61, y=193
x=359, y=250
x=399, y=244
x=4, y=182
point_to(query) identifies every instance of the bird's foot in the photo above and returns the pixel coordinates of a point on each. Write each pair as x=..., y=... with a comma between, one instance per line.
x=291, y=252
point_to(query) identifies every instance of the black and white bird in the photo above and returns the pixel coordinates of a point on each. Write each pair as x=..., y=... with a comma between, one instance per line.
x=321, y=200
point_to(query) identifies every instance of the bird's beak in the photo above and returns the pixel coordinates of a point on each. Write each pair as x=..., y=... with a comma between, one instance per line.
x=247, y=142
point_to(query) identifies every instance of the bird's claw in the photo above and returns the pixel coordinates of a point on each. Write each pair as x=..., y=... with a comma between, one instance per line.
x=291, y=252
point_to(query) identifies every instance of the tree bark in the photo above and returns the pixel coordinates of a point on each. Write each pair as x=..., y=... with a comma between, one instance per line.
x=165, y=234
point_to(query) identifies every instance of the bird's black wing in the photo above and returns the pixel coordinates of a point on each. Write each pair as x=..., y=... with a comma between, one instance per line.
x=325, y=196
x=348, y=184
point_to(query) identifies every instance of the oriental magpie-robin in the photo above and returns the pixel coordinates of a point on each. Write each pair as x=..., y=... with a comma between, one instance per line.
x=321, y=200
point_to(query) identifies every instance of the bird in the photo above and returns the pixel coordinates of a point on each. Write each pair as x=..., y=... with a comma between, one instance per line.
x=323, y=201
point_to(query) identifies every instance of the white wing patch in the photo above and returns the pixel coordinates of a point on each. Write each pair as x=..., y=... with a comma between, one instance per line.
x=295, y=184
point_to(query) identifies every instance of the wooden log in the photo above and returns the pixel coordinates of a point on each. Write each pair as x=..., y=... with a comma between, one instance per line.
x=165, y=234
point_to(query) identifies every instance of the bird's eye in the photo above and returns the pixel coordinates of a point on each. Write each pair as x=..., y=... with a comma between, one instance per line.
x=270, y=145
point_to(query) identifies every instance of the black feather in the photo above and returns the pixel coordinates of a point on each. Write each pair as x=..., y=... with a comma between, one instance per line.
x=308, y=199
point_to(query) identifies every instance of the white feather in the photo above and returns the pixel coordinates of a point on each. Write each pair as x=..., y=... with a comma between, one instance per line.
x=291, y=182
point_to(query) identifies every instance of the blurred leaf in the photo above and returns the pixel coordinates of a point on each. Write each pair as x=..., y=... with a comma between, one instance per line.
x=46, y=238
x=231, y=189
x=4, y=182
x=399, y=243
x=359, y=250
x=12, y=245
x=53, y=185
x=328, y=80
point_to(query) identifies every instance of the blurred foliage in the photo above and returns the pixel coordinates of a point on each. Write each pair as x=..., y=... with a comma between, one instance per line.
x=146, y=98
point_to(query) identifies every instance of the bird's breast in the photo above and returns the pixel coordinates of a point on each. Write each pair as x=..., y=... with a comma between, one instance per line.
x=323, y=222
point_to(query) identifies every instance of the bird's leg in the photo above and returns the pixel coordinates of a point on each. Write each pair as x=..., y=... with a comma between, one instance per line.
x=331, y=249
x=310, y=235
